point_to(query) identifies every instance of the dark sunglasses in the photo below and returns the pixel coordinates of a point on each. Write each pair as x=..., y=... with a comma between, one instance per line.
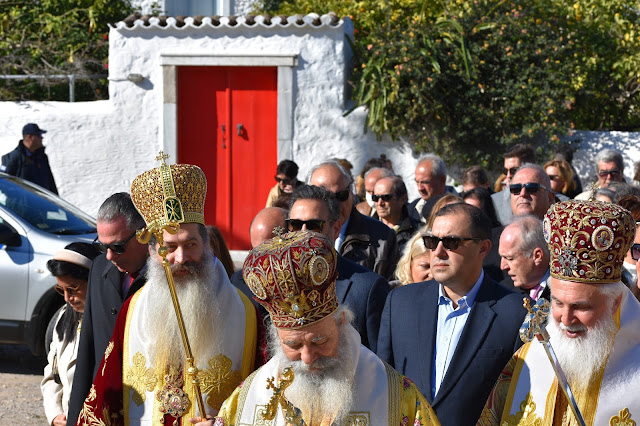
x=449, y=243
x=285, y=181
x=315, y=225
x=511, y=171
x=555, y=177
x=71, y=291
x=635, y=251
x=613, y=173
x=384, y=197
x=342, y=195
x=529, y=188
x=117, y=248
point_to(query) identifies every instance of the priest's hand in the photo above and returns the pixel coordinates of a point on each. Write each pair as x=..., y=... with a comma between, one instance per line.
x=59, y=420
x=198, y=421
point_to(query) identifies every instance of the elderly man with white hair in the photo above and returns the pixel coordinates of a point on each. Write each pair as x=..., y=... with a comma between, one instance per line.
x=594, y=328
x=319, y=372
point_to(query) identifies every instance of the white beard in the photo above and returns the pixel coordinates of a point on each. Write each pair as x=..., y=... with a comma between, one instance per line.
x=200, y=312
x=324, y=393
x=581, y=358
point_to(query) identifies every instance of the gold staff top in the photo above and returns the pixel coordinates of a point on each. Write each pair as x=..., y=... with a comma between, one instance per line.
x=169, y=195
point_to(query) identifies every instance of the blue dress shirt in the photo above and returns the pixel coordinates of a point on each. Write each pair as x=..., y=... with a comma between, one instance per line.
x=343, y=231
x=450, y=325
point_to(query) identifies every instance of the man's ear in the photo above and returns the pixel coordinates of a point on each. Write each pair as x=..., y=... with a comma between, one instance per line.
x=537, y=256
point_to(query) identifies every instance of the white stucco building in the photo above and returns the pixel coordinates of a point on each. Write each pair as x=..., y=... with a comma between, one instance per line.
x=97, y=148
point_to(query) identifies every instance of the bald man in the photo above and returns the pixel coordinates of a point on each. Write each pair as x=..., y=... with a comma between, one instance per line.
x=261, y=229
x=262, y=225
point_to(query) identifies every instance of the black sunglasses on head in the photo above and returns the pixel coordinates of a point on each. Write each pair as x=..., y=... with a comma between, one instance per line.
x=529, y=187
x=384, y=197
x=117, y=248
x=449, y=243
x=315, y=225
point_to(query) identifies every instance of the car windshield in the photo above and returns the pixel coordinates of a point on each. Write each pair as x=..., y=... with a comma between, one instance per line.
x=42, y=209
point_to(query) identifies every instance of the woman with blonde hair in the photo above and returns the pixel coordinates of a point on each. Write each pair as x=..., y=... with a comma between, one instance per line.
x=561, y=175
x=414, y=265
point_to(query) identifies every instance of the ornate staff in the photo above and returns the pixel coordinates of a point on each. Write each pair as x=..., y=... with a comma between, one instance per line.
x=534, y=326
x=169, y=220
x=292, y=414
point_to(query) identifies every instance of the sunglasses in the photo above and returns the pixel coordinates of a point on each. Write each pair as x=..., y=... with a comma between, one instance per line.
x=635, y=251
x=284, y=181
x=315, y=225
x=342, y=195
x=512, y=171
x=71, y=291
x=529, y=188
x=613, y=173
x=384, y=197
x=555, y=177
x=449, y=243
x=117, y=248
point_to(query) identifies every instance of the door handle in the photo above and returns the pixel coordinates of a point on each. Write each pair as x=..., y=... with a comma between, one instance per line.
x=224, y=129
x=240, y=129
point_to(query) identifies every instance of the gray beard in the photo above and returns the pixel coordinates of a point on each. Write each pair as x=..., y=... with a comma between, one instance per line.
x=581, y=358
x=200, y=312
x=328, y=392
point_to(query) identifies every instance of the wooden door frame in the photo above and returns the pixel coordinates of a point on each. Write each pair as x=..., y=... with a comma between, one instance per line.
x=285, y=62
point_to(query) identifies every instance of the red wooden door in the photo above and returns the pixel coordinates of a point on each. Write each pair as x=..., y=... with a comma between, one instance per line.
x=227, y=118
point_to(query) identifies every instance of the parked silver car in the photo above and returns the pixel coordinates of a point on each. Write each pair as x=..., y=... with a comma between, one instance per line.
x=34, y=224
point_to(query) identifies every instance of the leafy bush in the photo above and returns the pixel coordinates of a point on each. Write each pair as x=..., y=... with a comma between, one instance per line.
x=56, y=37
x=467, y=78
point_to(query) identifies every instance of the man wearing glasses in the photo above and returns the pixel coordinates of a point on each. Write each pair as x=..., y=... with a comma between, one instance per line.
x=516, y=156
x=453, y=335
x=390, y=197
x=115, y=275
x=610, y=167
x=316, y=209
x=364, y=240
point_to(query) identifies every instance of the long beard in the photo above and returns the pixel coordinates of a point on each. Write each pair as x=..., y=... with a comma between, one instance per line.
x=327, y=391
x=582, y=358
x=200, y=312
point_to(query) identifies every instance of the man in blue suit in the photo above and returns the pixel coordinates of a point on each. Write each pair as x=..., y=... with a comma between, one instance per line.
x=453, y=335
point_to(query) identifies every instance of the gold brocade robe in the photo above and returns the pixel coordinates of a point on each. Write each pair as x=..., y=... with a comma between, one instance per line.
x=527, y=391
x=382, y=397
x=128, y=389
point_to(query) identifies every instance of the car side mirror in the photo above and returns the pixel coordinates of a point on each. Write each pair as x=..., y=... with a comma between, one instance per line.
x=9, y=236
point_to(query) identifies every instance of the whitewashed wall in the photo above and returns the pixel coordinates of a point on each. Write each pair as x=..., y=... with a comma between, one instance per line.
x=97, y=148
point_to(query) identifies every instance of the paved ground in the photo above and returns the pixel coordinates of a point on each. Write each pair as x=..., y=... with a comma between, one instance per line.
x=20, y=398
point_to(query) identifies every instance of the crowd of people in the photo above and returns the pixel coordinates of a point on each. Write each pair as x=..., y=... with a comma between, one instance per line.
x=355, y=304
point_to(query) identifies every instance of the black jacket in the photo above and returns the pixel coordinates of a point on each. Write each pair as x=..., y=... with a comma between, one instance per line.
x=33, y=167
x=104, y=300
x=370, y=243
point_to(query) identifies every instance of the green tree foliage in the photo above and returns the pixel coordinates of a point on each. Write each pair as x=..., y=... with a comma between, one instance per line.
x=466, y=78
x=49, y=37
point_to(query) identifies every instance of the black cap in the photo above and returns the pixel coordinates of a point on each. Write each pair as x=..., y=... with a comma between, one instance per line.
x=32, y=129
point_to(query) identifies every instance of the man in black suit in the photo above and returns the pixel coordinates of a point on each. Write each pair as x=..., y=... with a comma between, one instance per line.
x=361, y=239
x=453, y=335
x=115, y=275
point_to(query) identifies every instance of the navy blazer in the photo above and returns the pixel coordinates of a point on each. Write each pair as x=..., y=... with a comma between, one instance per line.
x=489, y=339
x=104, y=300
x=359, y=288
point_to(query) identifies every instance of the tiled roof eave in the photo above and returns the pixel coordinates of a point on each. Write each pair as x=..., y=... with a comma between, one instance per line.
x=312, y=21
